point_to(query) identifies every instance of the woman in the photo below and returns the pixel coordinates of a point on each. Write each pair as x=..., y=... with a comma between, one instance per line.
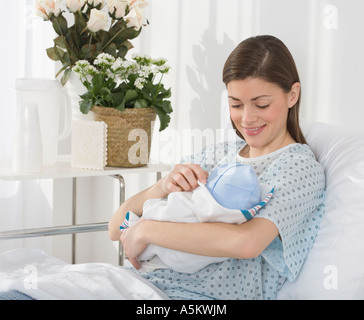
x=264, y=96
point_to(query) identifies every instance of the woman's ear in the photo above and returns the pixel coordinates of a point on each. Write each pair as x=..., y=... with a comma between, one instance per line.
x=294, y=94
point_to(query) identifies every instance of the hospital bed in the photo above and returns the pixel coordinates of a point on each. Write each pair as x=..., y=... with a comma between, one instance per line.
x=333, y=269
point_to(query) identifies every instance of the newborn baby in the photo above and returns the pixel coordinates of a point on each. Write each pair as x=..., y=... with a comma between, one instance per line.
x=232, y=194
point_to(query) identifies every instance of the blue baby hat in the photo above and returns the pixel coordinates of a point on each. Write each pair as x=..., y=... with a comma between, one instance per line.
x=235, y=186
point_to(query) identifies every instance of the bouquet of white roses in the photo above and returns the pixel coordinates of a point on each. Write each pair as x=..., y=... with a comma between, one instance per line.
x=100, y=26
x=119, y=83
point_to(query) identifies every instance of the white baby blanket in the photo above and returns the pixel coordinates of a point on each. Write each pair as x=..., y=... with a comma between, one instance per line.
x=190, y=207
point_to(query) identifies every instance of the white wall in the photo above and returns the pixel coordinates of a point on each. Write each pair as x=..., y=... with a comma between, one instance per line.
x=196, y=38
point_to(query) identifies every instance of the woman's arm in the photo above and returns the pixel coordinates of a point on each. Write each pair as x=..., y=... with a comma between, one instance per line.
x=242, y=241
x=183, y=177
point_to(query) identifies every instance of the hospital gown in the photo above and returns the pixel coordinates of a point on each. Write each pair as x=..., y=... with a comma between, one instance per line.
x=296, y=209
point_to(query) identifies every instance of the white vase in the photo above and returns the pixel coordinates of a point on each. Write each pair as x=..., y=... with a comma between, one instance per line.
x=75, y=90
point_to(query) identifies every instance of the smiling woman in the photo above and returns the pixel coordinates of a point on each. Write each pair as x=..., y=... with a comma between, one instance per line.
x=263, y=252
x=265, y=59
x=259, y=110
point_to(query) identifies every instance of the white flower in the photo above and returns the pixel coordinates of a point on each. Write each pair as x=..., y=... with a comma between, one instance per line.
x=82, y=63
x=142, y=59
x=119, y=6
x=145, y=71
x=75, y=5
x=98, y=20
x=164, y=68
x=91, y=70
x=117, y=65
x=44, y=8
x=84, y=68
x=123, y=68
x=139, y=83
x=137, y=56
x=137, y=3
x=104, y=59
x=134, y=18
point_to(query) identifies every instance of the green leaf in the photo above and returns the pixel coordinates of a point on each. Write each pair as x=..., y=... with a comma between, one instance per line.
x=61, y=42
x=111, y=49
x=167, y=107
x=164, y=119
x=122, y=51
x=59, y=25
x=104, y=91
x=97, y=82
x=86, y=96
x=80, y=21
x=146, y=94
x=141, y=103
x=121, y=106
x=88, y=51
x=55, y=53
x=117, y=98
x=163, y=93
x=60, y=71
x=120, y=32
x=127, y=44
x=85, y=106
x=66, y=76
x=130, y=95
x=66, y=61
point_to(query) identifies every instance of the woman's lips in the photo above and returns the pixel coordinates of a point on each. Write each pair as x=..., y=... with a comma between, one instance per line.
x=253, y=131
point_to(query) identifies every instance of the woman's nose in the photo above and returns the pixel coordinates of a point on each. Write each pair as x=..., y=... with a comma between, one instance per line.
x=248, y=116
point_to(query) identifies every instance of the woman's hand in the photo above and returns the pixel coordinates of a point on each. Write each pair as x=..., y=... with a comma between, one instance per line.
x=134, y=242
x=184, y=177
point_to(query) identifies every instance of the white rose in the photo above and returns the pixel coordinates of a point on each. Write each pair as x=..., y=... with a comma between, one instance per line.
x=44, y=8
x=75, y=5
x=98, y=20
x=137, y=3
x=40, y=10
x=134, y=18
x=119, y=5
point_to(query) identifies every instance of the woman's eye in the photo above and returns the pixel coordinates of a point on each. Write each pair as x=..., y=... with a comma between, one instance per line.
x=236, y=105
x=263, y=107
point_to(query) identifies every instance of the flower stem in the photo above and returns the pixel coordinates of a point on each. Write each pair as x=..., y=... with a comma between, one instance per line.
x=111, y=40
x=89, y=47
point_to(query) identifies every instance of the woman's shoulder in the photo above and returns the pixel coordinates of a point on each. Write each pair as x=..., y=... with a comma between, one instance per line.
x=298, y=160
x=299, y=154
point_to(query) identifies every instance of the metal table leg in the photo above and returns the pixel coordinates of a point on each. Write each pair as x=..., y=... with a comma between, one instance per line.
x=121, y=200
x=74, y=217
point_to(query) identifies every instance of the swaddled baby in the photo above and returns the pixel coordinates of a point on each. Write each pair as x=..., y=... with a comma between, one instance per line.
x=232, y=194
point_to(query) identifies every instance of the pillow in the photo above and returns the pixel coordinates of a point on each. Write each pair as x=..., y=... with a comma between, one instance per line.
x=334, y=268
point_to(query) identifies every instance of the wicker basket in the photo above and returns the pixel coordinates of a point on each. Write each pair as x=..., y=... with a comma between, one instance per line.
x=128, y=135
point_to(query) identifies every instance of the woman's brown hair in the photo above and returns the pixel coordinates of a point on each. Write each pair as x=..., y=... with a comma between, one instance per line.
x=268, y=58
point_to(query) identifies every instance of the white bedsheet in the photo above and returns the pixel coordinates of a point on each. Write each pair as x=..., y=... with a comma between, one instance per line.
x=41, y=276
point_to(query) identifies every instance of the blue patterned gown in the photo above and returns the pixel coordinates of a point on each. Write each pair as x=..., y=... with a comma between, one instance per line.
x=296, y=209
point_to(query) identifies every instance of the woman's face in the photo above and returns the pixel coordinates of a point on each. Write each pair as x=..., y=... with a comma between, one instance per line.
x=259, y=110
